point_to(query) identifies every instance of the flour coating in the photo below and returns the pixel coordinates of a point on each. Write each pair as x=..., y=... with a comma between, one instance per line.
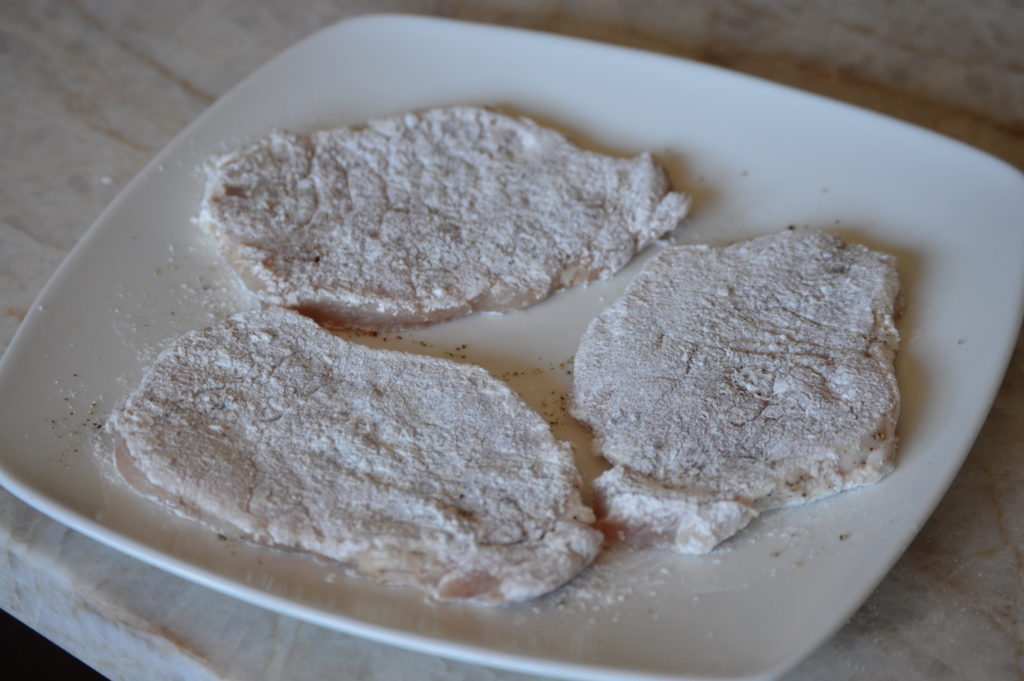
x=404, y=468
x=424, y=217
x=726, y=381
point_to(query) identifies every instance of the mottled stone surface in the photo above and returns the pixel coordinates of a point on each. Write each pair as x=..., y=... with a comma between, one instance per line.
x=93, y=89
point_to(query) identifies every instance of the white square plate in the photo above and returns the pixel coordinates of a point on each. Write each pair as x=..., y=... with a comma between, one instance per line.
x=758, y=157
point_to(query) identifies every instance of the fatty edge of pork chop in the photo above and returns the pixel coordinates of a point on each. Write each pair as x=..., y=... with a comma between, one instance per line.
x=415, y=219
x=408, y=469
x=726, y=381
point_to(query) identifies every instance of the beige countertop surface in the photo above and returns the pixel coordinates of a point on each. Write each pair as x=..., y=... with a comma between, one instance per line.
x=93, y=89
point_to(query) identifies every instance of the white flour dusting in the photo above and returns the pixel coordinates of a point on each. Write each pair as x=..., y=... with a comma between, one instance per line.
x=419, y=218
x=730, y=380
x=406, y=468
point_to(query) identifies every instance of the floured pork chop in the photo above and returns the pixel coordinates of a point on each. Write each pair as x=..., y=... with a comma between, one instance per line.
x=425, y=217
x=726, y=381
x=404, y=468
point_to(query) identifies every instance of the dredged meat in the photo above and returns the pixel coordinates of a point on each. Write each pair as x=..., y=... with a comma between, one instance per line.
x=419, y=218
x=726, y=381
x=409, y=469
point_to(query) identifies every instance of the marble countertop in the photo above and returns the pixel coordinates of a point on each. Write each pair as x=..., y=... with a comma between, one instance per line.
x=94, y=88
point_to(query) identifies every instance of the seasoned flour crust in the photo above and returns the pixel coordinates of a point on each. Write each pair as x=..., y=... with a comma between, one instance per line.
x=424, y=217
x=404, y=468
x=730, y=380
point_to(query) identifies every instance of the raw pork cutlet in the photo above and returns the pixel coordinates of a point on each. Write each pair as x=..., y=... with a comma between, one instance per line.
x=404, y=468
x=421, y=218
x=726, y=381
